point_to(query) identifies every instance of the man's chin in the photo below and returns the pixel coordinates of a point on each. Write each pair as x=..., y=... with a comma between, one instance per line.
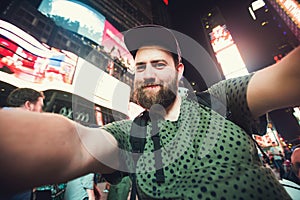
x=149, y=94
x=146, y=102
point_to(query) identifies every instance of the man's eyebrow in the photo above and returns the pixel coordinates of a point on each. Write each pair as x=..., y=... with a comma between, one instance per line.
x=140, y=63
x=159, y=60
x=152, y=61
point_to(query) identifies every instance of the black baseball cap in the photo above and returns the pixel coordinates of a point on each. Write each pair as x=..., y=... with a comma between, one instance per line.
x=151, y=34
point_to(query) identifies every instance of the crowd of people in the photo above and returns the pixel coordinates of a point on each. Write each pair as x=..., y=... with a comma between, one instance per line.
x=177, y=148
x=278, y=158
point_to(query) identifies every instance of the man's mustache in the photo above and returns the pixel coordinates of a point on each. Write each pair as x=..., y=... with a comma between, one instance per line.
x=149, y=83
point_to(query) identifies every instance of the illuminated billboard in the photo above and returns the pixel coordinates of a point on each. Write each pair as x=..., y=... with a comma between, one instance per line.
x=220, y=38
x=75, y=16
x=267, y=139
x=227, y=52
x=89, y=23
x=25, y=62
x=25, y=57
x=292, y=9
x=113, y=42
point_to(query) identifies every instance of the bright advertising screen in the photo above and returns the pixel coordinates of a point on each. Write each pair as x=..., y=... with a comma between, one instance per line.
x=220, y=38
x=26, y=62
x=75, y=16
x=225, y=50
x=22, y=56
x=113, y=42
x=292, y=9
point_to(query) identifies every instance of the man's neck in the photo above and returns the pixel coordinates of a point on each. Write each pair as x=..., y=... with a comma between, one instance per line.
x=174, y=110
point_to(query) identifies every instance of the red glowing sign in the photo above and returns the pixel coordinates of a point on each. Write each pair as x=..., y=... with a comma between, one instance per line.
x=113, y=42
x=28, y=59
x=220, y=38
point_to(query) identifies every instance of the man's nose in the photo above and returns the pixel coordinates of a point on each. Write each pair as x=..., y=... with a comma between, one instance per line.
x=149, y=72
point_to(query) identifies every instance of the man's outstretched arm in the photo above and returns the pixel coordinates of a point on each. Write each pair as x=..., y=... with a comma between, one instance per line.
x=44, y=148
x=276, y=86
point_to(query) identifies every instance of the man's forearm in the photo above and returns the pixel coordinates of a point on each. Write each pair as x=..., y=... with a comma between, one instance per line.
x=44, y=148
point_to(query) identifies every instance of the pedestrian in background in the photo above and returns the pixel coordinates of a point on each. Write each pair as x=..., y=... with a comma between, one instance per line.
x=27, y=99
x=278, y=159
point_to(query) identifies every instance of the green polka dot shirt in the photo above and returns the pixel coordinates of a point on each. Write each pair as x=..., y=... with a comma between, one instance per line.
x=204, y=155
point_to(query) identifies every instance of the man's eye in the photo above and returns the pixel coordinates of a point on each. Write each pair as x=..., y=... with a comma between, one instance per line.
x=140, y=68
x=159, y=65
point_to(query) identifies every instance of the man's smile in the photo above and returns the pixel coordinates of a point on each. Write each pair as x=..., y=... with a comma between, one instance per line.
x=152, y=87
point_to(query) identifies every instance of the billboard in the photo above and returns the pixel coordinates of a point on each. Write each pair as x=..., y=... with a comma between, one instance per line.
x=25, y=62
x=75, y=16
x=220, y=38
x=113, y=42
x=292, y=9
x=25, y=57
x=225, y=49
x=93, y=26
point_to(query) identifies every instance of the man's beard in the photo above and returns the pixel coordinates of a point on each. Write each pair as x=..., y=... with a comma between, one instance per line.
x=164, y=97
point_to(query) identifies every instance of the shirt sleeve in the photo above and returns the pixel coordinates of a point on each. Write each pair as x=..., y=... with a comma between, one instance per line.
x=233, y=93
x=121, y=131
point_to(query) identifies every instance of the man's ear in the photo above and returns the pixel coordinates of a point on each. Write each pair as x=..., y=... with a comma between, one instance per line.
x=28, y=105
x=180, y=69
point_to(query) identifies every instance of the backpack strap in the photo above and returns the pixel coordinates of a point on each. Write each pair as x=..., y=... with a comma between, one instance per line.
x=138, y=134
x=159, y=174
x=137, y=140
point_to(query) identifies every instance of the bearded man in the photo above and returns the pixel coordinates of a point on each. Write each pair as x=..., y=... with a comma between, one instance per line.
x=187, y=150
